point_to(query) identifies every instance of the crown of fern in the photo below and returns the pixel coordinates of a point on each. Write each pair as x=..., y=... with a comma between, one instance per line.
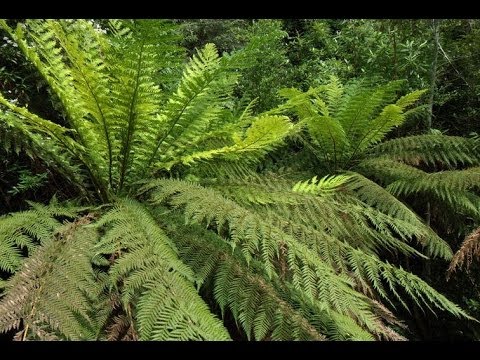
x=121, y=128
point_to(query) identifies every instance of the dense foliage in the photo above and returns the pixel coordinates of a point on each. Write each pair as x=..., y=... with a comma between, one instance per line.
x=234, y=179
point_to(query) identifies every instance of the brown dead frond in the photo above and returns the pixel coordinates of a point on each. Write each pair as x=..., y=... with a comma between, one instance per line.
x=385, y=321
x=121, y=329
x=464, y=256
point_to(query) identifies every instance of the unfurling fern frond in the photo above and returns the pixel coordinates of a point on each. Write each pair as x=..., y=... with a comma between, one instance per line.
x=155, y=282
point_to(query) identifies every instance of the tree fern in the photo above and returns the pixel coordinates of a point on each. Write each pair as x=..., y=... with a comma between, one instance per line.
x=170, y=260
x=121, y=131
x=342, y=122
x=424, y=166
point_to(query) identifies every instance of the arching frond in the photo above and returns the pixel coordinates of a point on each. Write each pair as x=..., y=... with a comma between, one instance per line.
x=76, y=75
x=453, y=188
x=430, y=150
x=212, y=260
x=376, y=196
x=155, y=282
x=260, y=238
x=56, y=293
x=26, y=229
x=20, y=130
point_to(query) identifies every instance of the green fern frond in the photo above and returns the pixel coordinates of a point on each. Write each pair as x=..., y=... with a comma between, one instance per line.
x=376, y=196
x=155, y=281
x=258, y=239
x=325, y=211
x=25, y=230
x=212, y=260
x=196, y=103
x=430, y=150
x=21, y=130
x=136, y=107
x=454, y=188
x=391, y=116
x=449, y=187
x=331, y=246
x=368, y=267
x=344, y=122
x=325, y=184
x=119, y=131
x=262, y=136
x=53, y=47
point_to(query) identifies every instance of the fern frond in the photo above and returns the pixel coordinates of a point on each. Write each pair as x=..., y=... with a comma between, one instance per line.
x=325, y=211
x=196, y=104
x=369, y=268
x=454, y=188
x=326, y=132
x=391, y=116
x=329, y=243
x=260, y=240
x=53, y=47
x=325, y=184
x=136, y=100
x=376, y=196
x=21, y=130
x=430, y=150
x=262, y=136
x=155, y=281
x=25, y=230
x=56, y=291
x=212, y=259
x=469, y=250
